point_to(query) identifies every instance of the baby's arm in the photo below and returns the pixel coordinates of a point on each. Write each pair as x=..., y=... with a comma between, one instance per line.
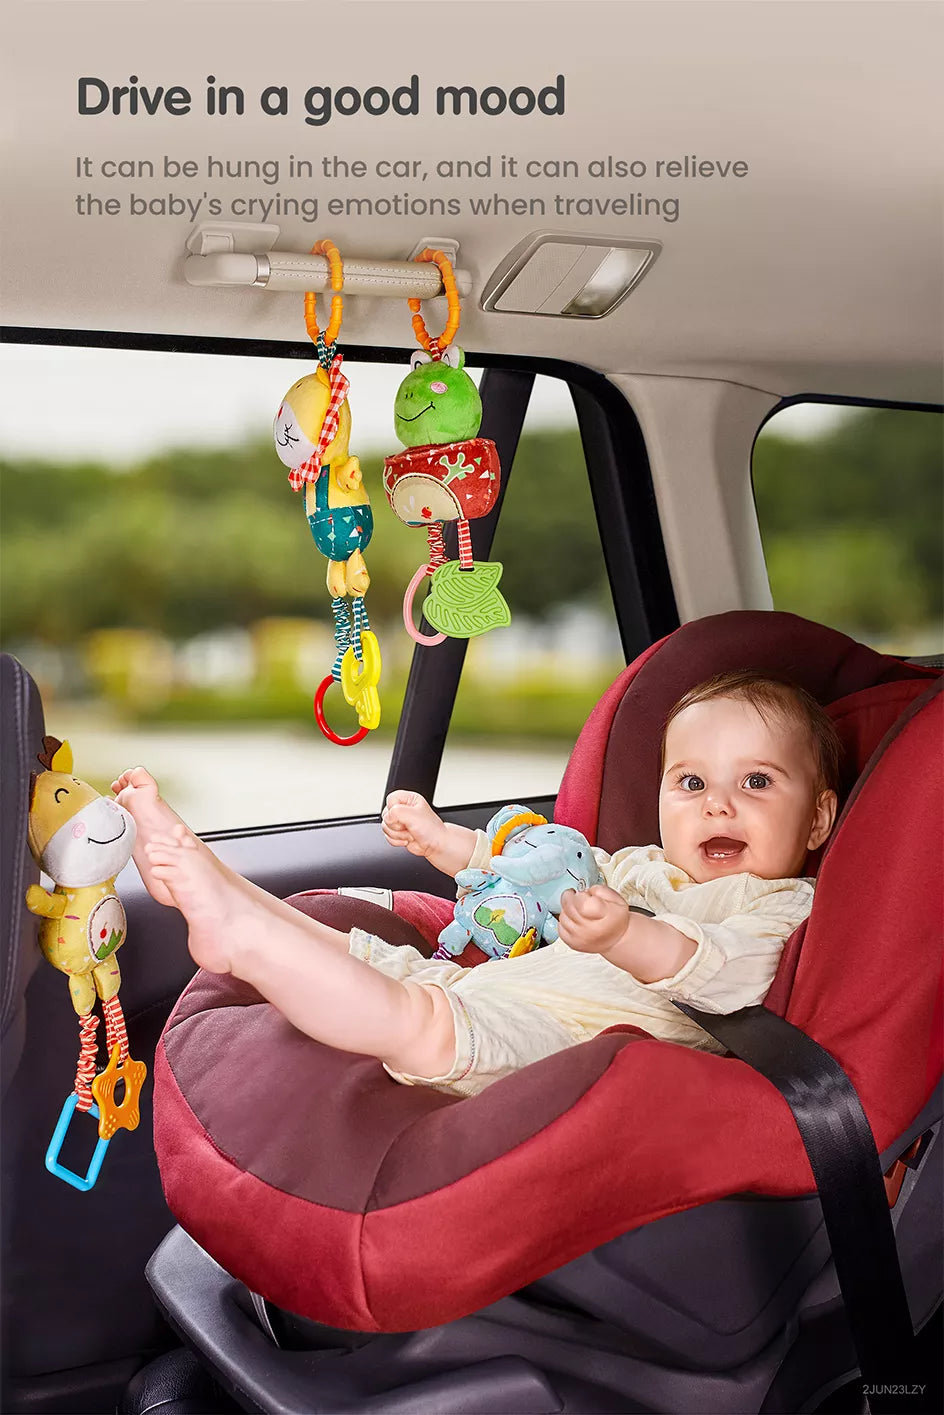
x=598, y=920
x=409, y=821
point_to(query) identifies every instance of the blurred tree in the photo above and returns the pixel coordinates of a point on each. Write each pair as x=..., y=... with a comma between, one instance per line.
x=192, y=540
x=865, y=502
x=547, y=537
x=880, y=590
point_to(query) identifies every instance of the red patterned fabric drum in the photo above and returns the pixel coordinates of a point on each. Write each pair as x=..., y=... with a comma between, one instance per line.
x=450, y=481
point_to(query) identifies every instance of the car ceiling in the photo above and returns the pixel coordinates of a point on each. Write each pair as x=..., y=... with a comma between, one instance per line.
x=819, y=272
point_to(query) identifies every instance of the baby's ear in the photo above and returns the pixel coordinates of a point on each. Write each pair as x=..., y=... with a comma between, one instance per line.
x=824, y=816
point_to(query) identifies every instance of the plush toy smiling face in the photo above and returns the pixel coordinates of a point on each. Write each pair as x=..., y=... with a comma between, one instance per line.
x=437, y=402
x=92, y=846
x=77, y=836
x=298, y=422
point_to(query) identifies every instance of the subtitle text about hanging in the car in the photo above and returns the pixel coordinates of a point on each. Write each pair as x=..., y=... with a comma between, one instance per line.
x=201, y=187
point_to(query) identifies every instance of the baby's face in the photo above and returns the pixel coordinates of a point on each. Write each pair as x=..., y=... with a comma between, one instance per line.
x=738, y=794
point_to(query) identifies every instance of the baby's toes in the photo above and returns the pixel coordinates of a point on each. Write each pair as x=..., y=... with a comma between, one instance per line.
x=162, y=850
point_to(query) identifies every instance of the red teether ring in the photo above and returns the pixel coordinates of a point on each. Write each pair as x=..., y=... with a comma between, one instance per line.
x=322, y=721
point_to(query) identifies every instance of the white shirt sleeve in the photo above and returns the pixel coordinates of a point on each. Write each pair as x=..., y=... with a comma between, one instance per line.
x=735, y=961
x=482, y=857
x=739, y=924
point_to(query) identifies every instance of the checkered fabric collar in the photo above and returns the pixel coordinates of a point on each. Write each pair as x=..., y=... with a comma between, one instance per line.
x=310, y=469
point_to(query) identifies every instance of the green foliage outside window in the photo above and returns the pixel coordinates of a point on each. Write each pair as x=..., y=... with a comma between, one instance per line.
x=192, y=542
x=853, y=524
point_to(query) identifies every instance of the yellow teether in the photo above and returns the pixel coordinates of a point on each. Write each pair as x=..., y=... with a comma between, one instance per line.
x=523, y=945
x=359, y=679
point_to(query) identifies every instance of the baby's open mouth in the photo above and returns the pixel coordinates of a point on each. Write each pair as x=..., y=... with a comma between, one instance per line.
x=721, y=847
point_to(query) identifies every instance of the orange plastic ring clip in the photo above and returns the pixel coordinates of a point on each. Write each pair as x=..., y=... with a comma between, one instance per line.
x=336, y=266
x=436, y=346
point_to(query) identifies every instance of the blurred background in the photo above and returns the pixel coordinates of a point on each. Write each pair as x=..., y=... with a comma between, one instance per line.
x=160, y=582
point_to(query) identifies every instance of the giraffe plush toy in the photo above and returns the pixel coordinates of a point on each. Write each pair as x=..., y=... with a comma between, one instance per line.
x=82, y=840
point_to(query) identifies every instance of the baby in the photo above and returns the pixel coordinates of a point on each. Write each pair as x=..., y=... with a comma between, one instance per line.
x=749, y=777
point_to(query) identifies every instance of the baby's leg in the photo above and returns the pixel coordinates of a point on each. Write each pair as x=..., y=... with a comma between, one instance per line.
x=300, y=965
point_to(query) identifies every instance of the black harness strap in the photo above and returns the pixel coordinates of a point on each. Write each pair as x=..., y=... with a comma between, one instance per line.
x=841, y=1149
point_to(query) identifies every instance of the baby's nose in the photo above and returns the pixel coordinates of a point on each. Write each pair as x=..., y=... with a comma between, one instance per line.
x=717, y=803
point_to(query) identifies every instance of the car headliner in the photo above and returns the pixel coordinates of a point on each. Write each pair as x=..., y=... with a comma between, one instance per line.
x=819, y=271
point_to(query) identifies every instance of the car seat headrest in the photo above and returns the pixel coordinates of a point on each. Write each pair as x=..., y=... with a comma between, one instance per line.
x=610, y=789
x=22, y=735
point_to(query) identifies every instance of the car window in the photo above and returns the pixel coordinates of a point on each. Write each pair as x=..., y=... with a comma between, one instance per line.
x=850, y=503
x=161, y=584
x=526, y=690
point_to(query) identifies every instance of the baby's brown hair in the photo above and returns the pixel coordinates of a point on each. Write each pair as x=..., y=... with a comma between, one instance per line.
x=778, y=695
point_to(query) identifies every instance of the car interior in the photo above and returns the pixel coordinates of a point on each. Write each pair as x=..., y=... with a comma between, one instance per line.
x=674, y=229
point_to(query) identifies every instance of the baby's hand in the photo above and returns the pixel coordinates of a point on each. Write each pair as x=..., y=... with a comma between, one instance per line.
x=593, y=920
x=409, y=820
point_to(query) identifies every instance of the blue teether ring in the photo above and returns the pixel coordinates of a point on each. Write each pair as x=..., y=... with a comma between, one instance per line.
x=55, y=1145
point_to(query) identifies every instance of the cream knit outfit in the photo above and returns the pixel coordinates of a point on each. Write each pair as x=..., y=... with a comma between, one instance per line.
x=509, y=1012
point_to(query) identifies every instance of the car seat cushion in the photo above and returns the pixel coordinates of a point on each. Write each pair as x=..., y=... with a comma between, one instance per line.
x=394, y=1207
x=358, y=1202
x=415, y=918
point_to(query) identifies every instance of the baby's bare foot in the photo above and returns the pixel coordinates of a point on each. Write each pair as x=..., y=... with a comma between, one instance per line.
x=220, y=907
x=137, y=791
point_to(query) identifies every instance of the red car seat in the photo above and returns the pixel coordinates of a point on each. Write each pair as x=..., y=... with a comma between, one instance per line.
x=360, y=1204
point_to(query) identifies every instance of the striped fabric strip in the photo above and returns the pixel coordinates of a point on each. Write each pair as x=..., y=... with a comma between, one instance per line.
x=437, y=547
x=115, y=1032
x=342, y=634
x=361, y=625
x=88, y=1056
x=465, y=544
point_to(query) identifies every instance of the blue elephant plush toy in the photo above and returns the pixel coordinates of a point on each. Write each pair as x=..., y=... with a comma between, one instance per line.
x=512, y=907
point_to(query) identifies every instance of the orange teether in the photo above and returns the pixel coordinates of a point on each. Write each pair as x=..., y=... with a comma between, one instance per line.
x=125, y=1116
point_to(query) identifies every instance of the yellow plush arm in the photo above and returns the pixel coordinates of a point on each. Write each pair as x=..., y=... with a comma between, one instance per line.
x=349, y=476
x=47, y=906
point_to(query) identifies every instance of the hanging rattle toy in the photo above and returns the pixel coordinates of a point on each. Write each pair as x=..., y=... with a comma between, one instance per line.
x=82, y=840
x=447, y=473
x=312, y=434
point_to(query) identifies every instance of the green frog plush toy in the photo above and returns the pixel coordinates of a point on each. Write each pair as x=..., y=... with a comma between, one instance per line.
x=447, y=473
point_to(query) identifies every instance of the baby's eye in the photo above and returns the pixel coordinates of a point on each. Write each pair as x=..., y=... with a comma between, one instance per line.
x=757, y=781
x=691, y=783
